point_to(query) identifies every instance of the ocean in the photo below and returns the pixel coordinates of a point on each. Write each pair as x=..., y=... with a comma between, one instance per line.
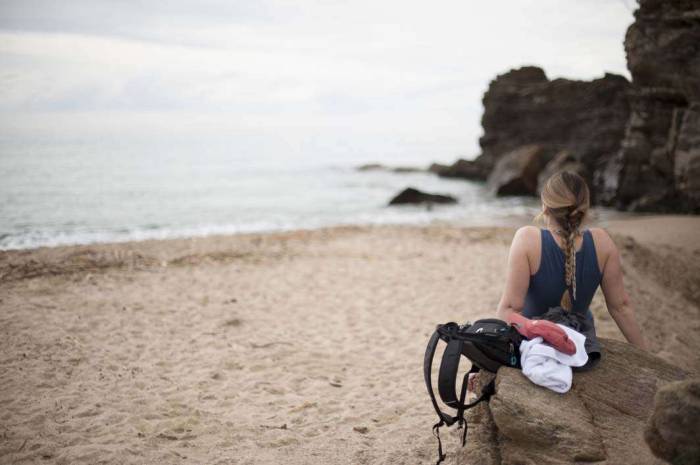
x=81, y=193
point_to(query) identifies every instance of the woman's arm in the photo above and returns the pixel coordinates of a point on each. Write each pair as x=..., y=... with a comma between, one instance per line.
x=616, y=298
x=517, y=273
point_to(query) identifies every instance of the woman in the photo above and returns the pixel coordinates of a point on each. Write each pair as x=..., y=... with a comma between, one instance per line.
x=561, y=265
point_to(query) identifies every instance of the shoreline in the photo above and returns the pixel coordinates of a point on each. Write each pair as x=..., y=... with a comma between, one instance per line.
x=645, y=227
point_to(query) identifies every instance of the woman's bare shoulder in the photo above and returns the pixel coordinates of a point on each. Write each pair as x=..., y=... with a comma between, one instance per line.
x=604, y=245
x=528, y=231
x=527, y=235
x=603, y=241
x=526, y=243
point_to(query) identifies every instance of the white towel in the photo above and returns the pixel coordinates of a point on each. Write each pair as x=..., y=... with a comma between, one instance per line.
x=547, y=367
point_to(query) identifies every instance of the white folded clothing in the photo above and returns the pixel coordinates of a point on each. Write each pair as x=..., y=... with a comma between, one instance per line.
x=546, y=366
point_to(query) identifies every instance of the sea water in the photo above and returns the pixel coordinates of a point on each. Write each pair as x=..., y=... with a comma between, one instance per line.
x=80, y=193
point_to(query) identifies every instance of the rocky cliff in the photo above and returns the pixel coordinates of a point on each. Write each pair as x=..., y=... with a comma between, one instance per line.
x=637, y=144
x=658, y=167
x=524, y=108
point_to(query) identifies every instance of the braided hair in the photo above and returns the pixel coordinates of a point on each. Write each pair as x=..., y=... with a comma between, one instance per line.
x=566, y=200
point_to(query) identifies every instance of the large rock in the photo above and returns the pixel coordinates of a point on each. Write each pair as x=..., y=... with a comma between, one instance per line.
x=657, y=167
x=673, y=430
x=411, y=195
x=586, y=118
x=687, y=160
x=602, y=419
x=640, y=175
x=516, y=172
x=663, y=46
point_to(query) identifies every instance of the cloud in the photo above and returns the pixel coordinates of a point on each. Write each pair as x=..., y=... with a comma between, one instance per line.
x=411, y=71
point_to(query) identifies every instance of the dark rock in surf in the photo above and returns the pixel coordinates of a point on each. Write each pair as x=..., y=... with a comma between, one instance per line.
x=407, y=169
x=414, y=196
x=394, y=169
x=371, y=167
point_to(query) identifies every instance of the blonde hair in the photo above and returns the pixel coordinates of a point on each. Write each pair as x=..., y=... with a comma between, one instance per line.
x=566, y=200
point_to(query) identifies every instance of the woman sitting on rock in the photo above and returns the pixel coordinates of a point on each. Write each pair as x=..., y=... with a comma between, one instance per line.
x=554, y=272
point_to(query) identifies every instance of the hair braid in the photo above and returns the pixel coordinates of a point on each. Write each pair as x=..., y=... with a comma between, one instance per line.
x=569, y=234
x=565, y=201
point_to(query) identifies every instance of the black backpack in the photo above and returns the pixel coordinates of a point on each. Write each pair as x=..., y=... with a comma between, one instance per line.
x=488, y=344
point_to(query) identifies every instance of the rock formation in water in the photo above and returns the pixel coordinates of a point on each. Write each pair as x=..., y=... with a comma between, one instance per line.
x=465, y=169
x=602, y=419
x=411, y=195
x=522, y=107
x=393, y=169
x=637, y=144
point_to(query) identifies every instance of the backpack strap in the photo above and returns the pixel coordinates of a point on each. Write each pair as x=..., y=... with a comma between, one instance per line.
x=445, y=419
x=448, y=374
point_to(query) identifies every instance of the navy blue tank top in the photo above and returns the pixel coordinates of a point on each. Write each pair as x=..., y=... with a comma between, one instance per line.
x=548, y=284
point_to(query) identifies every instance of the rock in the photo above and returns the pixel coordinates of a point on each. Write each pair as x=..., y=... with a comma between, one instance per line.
x=465, y=169
x=370, y=167
x=411, y=195
x=644, y=165
x=673, y=430
x=657, y=166
x=687, y=160
x=563, y=161
x=663, y=46
x=437, y=168
x=407, y=169
x=523, y=107
x=395, y=169
x=516, y=172
x=601, y=419
x=637, y=144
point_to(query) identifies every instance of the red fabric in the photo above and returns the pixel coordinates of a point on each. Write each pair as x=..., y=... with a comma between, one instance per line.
x=547, y=330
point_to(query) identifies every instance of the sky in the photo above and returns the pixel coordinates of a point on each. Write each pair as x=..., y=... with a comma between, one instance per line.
x=380, y=79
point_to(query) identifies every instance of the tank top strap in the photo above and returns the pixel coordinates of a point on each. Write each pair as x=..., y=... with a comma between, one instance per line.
x=587, y=239
x=587, y=247
x=549, y=256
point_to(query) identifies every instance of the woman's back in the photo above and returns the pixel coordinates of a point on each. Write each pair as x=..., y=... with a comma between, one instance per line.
x=548, y=283
x=538, y=279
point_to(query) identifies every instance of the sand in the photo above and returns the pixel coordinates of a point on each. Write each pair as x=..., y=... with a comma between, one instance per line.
x=301, y=347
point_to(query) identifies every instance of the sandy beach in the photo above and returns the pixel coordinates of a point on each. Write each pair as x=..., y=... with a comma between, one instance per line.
x=299, y=347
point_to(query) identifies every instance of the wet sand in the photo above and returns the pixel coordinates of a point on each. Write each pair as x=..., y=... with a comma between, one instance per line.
x=300, y=347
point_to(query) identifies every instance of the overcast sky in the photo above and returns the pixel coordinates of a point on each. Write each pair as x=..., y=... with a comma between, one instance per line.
x=404, y=78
